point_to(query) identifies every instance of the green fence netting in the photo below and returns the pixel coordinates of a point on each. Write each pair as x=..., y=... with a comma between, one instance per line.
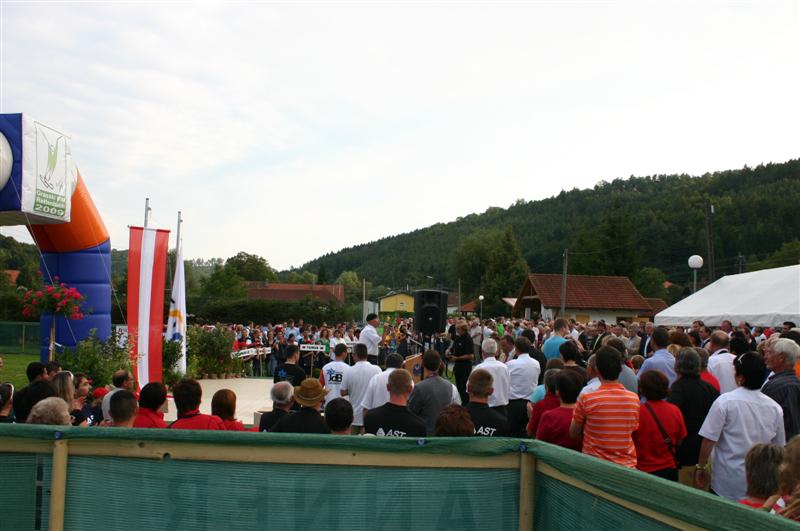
x=134, y=493
x=19, y=338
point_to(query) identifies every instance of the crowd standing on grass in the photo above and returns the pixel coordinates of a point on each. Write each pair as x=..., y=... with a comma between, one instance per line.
x=715, y=409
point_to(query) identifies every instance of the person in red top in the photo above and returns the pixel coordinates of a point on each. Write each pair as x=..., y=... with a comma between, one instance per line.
x=608, y=416
x=151, y=402
x=550, y=401
x=223, y=405
x=704, y=374
x=661, y=428
x=188, y=395
x=554, y=424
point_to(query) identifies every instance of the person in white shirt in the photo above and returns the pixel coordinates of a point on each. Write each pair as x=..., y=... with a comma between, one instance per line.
x=369, y=336
x=523, y=376
x=593, y=383
x=720, y=361
x=500, y=375
x=355, y=383
x=332, y=373
x=736, y=421
x=377, y=394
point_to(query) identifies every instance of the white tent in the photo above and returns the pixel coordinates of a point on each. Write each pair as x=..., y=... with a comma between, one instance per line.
x=761, y=298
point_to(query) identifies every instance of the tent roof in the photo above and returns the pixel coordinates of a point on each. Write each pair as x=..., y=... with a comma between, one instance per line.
x=761, y=298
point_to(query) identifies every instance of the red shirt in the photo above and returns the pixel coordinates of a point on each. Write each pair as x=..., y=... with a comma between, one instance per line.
x=709, y=379
x=194, y=420
x=554, y=428
x=233, y=425
x=550, y=401
x=651, y=450
x=148, y=418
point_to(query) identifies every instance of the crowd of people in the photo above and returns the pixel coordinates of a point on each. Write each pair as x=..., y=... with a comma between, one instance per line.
x=716, y=409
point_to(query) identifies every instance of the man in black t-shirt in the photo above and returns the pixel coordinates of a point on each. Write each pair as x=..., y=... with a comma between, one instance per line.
x=487, y=421
x=393, y=419
x=290, y=371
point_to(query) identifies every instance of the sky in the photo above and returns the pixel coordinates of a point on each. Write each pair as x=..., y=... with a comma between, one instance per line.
x=290, y=130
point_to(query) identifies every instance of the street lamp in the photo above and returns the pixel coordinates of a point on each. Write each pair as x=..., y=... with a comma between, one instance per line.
x=695, y=262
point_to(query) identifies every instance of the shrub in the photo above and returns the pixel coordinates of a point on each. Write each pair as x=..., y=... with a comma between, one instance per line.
x=209, y=351
x=98, y=359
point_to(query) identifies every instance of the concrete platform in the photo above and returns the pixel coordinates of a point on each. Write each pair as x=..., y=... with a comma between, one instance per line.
x=252, y=395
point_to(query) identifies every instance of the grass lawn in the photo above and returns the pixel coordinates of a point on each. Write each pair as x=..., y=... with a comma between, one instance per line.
x=14, y=368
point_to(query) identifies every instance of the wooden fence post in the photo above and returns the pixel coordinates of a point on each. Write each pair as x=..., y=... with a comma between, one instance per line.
x=58, y=485
x=527, y=489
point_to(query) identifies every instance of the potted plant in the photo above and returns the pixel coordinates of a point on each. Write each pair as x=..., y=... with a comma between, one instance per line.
x=56, y=299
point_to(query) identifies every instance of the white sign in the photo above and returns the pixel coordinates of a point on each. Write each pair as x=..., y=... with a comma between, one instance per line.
x=48, y=174
x=312, y=348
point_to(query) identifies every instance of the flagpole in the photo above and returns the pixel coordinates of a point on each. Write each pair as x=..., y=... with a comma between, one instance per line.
x=178, y=233
x=147, y=210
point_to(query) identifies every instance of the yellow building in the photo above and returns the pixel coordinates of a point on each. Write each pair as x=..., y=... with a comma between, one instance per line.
x=396, y=303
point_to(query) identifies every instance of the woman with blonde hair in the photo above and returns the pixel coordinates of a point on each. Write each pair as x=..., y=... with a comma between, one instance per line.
x=65, y=390
x=787, y=502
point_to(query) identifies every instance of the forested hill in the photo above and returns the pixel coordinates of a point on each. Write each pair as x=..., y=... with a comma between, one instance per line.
x=613, y=228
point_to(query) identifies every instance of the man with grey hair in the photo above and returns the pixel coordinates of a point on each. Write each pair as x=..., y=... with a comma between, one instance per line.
x=282, y=394
x=783, y=386
x=52, y=411
x=501, y=377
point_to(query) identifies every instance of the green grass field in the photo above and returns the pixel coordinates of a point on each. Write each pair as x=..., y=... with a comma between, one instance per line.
x=14, y=368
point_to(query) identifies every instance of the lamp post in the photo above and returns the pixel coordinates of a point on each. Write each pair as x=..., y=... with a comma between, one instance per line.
x=695, y=262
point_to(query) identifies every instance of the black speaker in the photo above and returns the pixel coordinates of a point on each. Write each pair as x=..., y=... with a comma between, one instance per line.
x=430, y=311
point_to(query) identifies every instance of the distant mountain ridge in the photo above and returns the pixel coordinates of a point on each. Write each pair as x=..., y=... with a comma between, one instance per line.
x=755, y=213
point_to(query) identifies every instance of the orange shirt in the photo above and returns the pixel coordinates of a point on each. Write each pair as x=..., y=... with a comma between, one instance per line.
x=609, y=416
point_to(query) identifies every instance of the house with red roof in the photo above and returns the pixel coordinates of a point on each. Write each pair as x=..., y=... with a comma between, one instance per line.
x=588, y=298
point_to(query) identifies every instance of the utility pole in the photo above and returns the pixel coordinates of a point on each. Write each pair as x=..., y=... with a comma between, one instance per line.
x=712, y=276
x=564, y=286
x=364, y=302
x=459, y=296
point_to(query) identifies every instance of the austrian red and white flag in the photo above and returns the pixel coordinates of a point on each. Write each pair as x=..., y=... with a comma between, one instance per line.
x=147, y=264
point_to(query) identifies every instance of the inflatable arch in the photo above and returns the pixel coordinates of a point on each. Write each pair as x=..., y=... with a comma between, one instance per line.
x=40, y=187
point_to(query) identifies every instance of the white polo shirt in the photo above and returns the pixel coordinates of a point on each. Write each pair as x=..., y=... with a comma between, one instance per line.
x=355, y=381
x=501, y=383
x=736, y=421
x=524, y=375
x=369, y=337
x=377, y=394
x=332, y=376
x=720, y=364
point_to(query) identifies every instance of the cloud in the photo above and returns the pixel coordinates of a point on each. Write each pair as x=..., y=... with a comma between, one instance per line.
x=290, y=130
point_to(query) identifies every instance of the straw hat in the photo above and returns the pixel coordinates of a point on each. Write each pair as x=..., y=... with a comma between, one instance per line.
x=310, y=392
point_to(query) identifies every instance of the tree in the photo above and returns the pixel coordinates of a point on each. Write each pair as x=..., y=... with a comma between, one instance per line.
x=223, y=283
x=251, y=267
x=470, y=259
x=322, y=274
x=505, y=273
x=788, y=254
x=650, y=283
x=352, y=286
